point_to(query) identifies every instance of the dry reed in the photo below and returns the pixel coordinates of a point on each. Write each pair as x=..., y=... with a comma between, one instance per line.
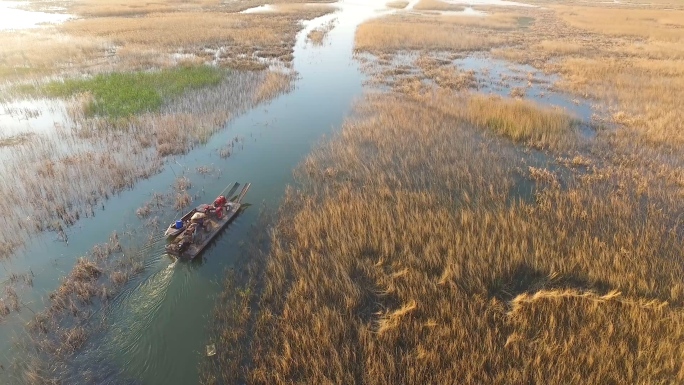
x=422, y=33
x=436, y=5
x=397, y=4
x=274, y=84
x=317, y=35
x=628, y=64
x=523, y=121
x=159, y=35
x=420, y=260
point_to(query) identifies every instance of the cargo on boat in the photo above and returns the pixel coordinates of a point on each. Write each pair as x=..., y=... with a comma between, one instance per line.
x=204, y=224
x=176, y=227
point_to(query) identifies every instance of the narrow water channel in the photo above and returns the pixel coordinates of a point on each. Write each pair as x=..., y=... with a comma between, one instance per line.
x=153, y=332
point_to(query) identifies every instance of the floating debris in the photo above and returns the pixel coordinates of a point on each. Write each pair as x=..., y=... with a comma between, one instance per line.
x=211, y=350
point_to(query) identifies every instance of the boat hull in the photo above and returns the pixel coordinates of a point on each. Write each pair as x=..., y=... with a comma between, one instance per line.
x=203, y=236
x=172, y=231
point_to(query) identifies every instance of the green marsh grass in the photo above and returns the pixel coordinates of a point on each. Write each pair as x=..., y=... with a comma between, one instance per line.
x=89, y=158
x=125, y=94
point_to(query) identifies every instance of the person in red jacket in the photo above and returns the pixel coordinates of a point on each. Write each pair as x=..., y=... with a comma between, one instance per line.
x=220, y=201
x=219, y=204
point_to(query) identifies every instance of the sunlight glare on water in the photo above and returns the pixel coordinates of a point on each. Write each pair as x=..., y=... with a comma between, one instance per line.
x=12, y=18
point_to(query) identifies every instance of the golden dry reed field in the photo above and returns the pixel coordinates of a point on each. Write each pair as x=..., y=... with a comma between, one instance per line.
x=409, y=255
x=445, y=236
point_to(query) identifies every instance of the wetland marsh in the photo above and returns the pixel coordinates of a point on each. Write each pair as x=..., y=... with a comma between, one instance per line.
x=480, y=192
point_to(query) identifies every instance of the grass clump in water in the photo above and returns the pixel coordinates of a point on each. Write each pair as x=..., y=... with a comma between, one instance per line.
x=121, y=94
x=522, y=121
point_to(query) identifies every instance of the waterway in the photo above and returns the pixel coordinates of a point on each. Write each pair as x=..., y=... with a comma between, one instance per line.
x=153, y=331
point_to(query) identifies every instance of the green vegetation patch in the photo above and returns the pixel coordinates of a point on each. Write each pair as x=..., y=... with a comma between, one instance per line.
x=121, y=94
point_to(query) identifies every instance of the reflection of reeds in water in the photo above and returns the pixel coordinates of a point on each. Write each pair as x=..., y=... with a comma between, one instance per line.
x=9, y=297
x=135, y=36
x=65, y=325
x=273, y=85
x=317, y=35
x=411, y=264
x=66, y=176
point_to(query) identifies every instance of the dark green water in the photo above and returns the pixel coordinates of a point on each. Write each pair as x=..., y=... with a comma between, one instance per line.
x=153, y=332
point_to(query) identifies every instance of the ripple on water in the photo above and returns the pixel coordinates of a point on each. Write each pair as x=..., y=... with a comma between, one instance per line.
x=133, y=314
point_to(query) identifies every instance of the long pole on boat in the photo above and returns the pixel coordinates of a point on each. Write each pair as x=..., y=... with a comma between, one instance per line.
x=227, y=187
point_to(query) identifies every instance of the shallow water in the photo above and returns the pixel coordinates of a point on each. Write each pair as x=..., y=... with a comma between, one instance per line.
x=153, y=332
x=259, y=9
x=32, y=116
x=501, y=77
x=13, y=18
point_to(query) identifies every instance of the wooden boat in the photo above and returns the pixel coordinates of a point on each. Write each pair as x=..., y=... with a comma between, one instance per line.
x=183, y=248
x=173, y=230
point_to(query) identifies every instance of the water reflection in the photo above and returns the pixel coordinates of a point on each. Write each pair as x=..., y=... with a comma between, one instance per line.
x=13, y=18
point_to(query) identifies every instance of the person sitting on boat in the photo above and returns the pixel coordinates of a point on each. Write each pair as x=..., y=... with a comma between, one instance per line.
x=190, y=232
x=220, y=201
x=218, y=211
x=198, y=218
x=183, y=245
